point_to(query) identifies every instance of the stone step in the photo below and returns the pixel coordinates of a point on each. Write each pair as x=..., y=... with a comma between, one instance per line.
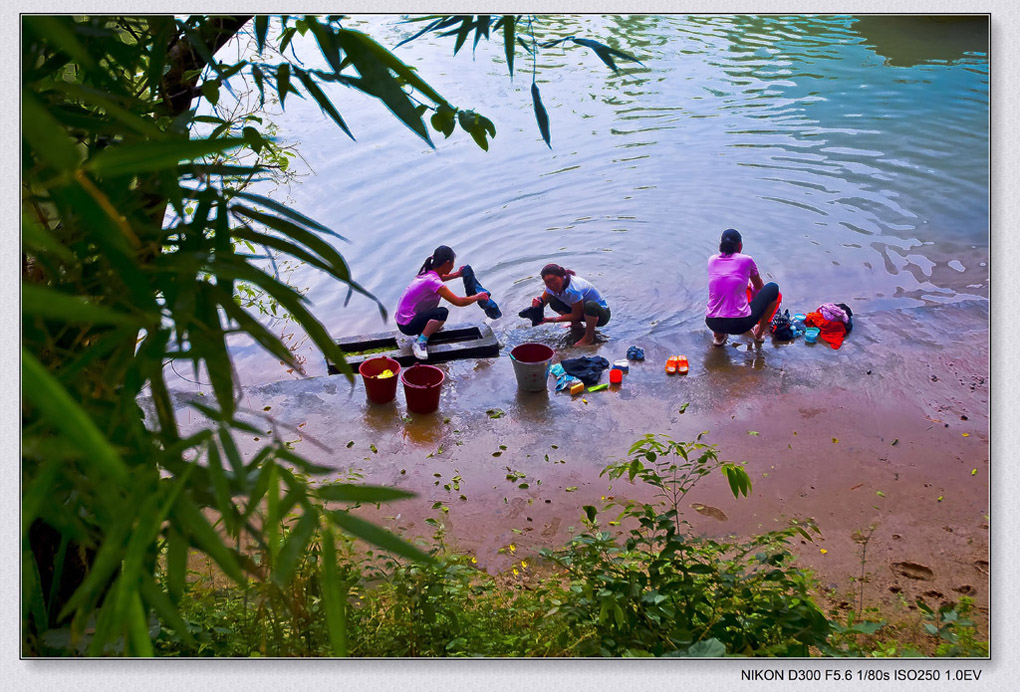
x=452, y=343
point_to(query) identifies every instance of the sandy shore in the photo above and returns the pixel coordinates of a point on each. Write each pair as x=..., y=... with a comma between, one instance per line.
x=889, y=432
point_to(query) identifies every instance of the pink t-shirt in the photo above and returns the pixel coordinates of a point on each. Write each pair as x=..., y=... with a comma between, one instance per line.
x=420, y=297
x=727, y=285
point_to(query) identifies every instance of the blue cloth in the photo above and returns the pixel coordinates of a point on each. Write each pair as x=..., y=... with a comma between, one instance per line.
x=471, y=287
x=635, y=353
x=536, y=314
x=588, y=369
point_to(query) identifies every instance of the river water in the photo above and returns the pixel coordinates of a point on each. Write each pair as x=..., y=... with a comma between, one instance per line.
x=851, y=152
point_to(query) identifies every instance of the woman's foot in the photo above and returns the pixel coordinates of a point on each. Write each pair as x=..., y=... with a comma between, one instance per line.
x=584, y=341
x=759, y=334
x=719, y=339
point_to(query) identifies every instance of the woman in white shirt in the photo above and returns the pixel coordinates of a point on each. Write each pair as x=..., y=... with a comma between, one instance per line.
x=574, y=299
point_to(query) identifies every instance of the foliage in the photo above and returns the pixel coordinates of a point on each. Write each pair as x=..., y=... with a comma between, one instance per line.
x=665, y=592
x=138, y=236
x=595, y=596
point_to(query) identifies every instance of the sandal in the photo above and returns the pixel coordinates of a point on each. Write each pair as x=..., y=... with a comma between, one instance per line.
x=681, y=365
x=717, y=342
x=671, y=365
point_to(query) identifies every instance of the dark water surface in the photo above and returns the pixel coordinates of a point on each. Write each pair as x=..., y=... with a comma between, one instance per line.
x=852, y=154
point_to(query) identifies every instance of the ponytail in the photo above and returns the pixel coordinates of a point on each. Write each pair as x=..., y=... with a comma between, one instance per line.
x=440, y=256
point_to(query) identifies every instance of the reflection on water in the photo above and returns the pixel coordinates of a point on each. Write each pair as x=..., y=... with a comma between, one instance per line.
x=851, y=152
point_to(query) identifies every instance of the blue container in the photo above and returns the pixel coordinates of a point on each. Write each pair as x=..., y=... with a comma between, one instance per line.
x=811, y=334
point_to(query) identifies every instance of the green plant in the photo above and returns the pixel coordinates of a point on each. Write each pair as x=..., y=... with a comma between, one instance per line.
x=665, y=592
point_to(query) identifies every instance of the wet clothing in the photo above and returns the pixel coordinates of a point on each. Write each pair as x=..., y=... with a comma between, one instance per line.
x=536, y=313
x=738, y=325
x=417, y=325
x=420, y=297
x=728, y=276
x=588, y=369
x=471, y=287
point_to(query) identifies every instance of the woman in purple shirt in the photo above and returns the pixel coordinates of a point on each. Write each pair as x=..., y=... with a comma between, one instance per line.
x=418, y=311
x=728, y=310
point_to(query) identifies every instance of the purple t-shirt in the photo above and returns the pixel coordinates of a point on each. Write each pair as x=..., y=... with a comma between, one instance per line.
x=420, y=297
x=727, y=285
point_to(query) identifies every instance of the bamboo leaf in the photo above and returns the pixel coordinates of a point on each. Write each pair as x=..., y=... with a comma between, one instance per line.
x=206, y=538
x=45, y=135
x=294, y=546
x=324, y=103
x=131, y=159
x=164, y=608
x=376, y=535
x=261, y=29
x=333, y=596
x=39, y=301
x=67, y=416
x=348, y=492
x=509, y=22
x=540, y=115
x=288, y=212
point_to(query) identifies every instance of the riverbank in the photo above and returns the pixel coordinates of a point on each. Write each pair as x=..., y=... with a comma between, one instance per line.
x=890, y=432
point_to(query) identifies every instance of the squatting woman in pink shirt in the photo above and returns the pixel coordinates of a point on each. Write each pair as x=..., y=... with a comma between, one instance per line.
x=418, y=312
x=728, y=310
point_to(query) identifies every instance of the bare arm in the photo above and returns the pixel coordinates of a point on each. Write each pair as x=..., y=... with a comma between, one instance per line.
x=756, y=282
x=452, y=275
x=576, y=314
x=459, y=301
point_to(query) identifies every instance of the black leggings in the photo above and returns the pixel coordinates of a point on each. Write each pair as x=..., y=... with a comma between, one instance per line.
x=590, y=308
x=738, y=325
x=417, y=325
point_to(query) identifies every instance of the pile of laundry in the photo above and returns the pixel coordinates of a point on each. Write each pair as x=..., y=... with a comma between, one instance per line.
x=834, y=321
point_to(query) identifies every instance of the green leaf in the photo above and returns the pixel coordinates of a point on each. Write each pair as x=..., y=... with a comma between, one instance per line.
x=605, y=53
x=333, y=596
x=708, y=648
x=211, y=90
x=131, y=159
x=39, y=301
x=67, y=416
x=261, y=29
x=206, y=537
x=324, y=103
x=349, y=492
x=288, y=212
x=45, y=135
x=294, y=546
x=508, y=41
x=540, y=115
x=376, y=535
x=590, y=512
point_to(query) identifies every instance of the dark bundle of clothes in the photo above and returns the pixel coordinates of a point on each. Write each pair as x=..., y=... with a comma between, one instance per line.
x=471, y=287
x=834, y=321
x=588, y=369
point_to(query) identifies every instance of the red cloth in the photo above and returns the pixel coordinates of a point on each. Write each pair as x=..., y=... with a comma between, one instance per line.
x=831, y=331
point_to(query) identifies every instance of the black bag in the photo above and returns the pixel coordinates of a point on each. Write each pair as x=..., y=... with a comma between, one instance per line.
x=781, y=327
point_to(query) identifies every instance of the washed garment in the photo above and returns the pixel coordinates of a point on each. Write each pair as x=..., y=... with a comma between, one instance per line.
x=535, y=313
x=635, y=353
x=471, y=287
x=832, y=332
x=421, y=296
x=832, y=312
x=588, y=369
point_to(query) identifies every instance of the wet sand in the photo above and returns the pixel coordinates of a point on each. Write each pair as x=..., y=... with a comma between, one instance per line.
x=890, y=431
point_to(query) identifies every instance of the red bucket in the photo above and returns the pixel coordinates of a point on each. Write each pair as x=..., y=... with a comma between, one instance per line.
x=421, y=387
x=381, y=390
